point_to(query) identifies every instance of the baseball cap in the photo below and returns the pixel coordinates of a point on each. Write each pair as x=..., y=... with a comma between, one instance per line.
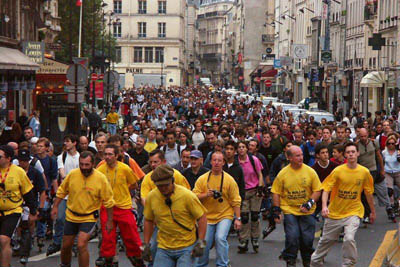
x=196, y=154
x=24, y=155
x=162, y=175
x=34, y=140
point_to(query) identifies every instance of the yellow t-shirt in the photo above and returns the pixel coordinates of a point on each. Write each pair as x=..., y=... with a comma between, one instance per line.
x=112, y=117
x=217, y=211
x=16, y=185
x=150, y=146
x=346, y=186
x=148, y=184
x=121, y=177
x=85, y=194
x=186, y=208
x=295, y=188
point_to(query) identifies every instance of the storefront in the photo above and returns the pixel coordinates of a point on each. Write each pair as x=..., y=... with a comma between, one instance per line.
x=17, y=80
x=50, y=79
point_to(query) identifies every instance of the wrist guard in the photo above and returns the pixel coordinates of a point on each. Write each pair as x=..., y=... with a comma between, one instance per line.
x=276, y=212
x=309, y=204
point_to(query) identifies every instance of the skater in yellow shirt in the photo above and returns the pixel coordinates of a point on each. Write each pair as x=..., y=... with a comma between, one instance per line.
x=295, y=190
x=344, y=185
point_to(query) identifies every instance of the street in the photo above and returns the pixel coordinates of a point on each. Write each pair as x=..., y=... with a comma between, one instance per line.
x=368, y=241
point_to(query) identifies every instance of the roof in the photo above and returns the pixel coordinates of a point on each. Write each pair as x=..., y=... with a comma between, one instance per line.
x=16, y=60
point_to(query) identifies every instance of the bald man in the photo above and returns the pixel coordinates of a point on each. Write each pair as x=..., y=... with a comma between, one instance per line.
x=295, y=190
x=371, y=158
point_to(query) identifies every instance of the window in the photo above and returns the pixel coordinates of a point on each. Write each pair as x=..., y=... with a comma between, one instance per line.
x=159, y=54
x=162, y=7
x=148, y=54
x=142, y=29
x=142, y=7
x=138, y=54
x=117, y=30
x=161, y=29
x=117, y=6
x=117, y=54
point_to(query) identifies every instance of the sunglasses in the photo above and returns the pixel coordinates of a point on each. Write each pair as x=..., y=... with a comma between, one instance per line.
x=391, y=143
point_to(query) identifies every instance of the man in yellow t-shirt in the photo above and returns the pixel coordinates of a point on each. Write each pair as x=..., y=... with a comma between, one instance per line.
x=295, y=190
x=219, y=193
x=344, y=185
x=122, y=179
x=112, y=121
x=15, y=188
x=175, y=210
x=87, y=189
x=157, y=158
x=151, y=143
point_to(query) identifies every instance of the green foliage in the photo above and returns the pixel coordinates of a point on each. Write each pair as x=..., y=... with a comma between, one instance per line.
x=93, y=32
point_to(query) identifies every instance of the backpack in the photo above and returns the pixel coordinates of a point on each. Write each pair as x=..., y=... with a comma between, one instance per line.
x=178, y=148
x=126, y=159
x=33, y=162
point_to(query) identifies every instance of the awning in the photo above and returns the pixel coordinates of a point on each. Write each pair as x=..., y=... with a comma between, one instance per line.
x=263, y=68
x=270, y=73
x=378, y=79
x=13, y=59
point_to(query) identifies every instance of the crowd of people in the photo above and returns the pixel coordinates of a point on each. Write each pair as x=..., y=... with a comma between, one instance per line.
x=189, y=167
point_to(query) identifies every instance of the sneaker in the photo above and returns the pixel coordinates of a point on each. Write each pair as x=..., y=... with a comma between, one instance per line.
x=23, y=260
x=243, y=246
x=254, y=243
x=53, y=248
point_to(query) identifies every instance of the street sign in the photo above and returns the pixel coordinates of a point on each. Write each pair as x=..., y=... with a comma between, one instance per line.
x=268, y=56
x=376, y=41
x=101, y=76
x=286, y=61
x=77, y=74
x=300, y=51
x=94, y=76
x=268, y=50
x=109, y=78
x=257, y=79
x=326, y=55
x=277, y=63
x=84, y=61
x=79, y=97
x=268, y=83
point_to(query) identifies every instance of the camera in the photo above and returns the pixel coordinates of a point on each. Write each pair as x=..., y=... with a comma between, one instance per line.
x=217, y=195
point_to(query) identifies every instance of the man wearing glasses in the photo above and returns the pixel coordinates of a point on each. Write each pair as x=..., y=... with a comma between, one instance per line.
x=15, y=188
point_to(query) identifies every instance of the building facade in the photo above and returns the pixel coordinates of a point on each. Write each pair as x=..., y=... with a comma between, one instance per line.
x=151, y=42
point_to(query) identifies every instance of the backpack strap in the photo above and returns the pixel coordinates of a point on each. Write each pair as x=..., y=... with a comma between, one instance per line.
x=64, y=157
x=126, y=159
x=33, y=162
x=252, y=162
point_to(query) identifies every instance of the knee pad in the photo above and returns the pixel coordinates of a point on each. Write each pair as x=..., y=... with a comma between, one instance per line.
x=254, y=216
x=390, y=192
x=245, y=218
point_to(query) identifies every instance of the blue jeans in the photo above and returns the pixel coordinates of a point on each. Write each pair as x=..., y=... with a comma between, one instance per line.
x=153, y=246
x=217, y=233
x=112, y=128
x=299, y=235
x=60, y=221
x=172, y=258
x=41, y=226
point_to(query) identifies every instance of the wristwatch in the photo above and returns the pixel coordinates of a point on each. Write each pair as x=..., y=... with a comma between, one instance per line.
x=202, y=243
x=239, y=219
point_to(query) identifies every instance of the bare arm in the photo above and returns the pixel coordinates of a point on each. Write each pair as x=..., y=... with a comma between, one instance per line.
x=260, y=179
x=202, y=227
x=370, y=200
x=325, y=197
x=315, y=195
x=148, y=230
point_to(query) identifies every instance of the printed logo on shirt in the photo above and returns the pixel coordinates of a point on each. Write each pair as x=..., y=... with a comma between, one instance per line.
x=297, y=194
x=347, y=194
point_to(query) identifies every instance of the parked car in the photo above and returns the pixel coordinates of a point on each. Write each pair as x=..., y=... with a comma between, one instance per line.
x=318, y=115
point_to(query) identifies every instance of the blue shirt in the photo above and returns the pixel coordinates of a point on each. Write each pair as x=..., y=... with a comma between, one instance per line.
x=391, y=163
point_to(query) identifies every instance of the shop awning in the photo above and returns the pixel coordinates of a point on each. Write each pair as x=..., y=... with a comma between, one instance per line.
x=270, y=73
x=265, y=69
x=13, y=59
x=373, y=79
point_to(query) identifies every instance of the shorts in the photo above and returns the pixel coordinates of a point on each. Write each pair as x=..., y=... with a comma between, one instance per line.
x=8, y=224
x=71, y=228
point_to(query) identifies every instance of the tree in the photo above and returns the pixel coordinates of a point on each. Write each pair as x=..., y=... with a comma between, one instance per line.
x=93, y=32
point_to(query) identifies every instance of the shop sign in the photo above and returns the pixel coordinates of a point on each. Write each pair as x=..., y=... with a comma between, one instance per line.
x=34, y=50
x=3, y=86
x=50, y=66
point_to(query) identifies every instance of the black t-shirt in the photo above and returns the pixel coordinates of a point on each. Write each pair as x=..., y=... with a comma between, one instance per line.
x=191, y=177
x=141, y=159
x=270, y=153
x=37, y=180
x=324, y=172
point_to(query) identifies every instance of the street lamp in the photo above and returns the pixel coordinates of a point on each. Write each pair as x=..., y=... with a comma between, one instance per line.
x=302, y=10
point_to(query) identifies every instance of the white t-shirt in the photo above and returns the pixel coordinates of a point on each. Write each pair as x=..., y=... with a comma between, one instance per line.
x=38, y=165
x=198, y=138
x=71, y=162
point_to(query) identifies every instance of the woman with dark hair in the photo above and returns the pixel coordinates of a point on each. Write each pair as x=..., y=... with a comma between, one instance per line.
x=6, y=134
x=16, y=133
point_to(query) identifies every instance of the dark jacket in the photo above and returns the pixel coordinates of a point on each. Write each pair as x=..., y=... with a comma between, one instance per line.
x=277, y=165
x=236, y=172
x=205, y=148
x=94, y=120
